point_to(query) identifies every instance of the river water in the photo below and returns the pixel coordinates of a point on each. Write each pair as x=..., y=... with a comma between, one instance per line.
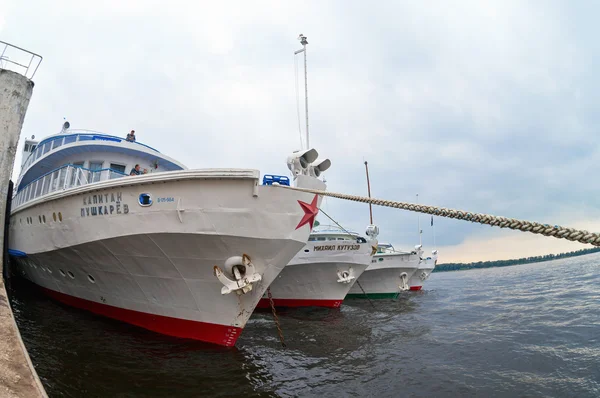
x=523, y=331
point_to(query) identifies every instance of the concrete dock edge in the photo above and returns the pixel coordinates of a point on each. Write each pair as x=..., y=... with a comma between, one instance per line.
x=18, y=377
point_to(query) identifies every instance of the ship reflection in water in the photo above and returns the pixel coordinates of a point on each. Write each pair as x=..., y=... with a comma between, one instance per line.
x=527, y=330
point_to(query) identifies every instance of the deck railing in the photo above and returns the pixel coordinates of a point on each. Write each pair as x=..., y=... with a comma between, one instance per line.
x=19, y=60
x=65, y=177
x=70, y=137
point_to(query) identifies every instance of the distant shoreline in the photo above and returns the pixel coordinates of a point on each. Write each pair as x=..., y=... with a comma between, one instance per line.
x=507, y=263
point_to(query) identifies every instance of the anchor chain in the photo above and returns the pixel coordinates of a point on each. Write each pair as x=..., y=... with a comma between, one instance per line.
x=365, y=293
x=275, y=317
x=556, y=231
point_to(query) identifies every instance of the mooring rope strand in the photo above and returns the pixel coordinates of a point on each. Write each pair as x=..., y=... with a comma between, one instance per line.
x=556, y=231
x=275, y=317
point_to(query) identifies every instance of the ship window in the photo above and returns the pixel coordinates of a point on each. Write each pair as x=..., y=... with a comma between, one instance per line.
x=40, y=217
x=55, y=183
x=312, y=239
x=54, y=216
x=62, y=272
x=46, y=184
x=44, y=218
x=46, y=148
x=117, y=167
x=91, y=279
x=61, y=177
x=33, y=147
x=26, y=147
x=57, y=142
x=69, y=139
x=38, y=188
x=94, y=174
x=60, y=216
x=321, y=238
x=71, y=275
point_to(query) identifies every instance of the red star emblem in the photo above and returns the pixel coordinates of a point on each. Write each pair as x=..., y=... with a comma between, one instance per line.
x=310, y=212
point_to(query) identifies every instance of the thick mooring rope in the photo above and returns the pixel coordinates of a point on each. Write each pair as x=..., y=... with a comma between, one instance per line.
x=495, y=221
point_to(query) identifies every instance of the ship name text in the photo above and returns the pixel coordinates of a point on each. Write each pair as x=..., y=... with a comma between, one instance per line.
x=104, y=204
x=336, y=247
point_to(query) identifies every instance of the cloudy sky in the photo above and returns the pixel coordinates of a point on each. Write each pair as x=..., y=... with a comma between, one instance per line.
x=483, y=106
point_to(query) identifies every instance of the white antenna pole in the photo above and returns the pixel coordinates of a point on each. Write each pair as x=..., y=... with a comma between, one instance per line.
x=419, y=222
x=303, y=41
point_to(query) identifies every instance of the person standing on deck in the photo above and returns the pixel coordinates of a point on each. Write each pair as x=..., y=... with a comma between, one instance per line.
x=131, y=136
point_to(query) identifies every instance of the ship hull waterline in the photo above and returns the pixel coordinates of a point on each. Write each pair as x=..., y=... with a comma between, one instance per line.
x=380, y=283
x=311, y=285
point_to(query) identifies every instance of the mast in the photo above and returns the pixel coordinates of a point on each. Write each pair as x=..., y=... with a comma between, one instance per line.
x=419, y=222
x=369, y=189
x=303, y=41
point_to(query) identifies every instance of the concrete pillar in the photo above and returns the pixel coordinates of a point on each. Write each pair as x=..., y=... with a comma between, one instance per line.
x=15, y=93
x=17, y=375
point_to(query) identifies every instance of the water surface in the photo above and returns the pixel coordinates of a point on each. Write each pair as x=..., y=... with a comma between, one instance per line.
x=529, y=330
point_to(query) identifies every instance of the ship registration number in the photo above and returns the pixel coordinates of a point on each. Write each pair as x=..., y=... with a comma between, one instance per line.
x=164, y=200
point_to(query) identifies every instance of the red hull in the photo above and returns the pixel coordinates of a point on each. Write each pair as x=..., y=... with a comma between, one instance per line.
x=264, y=303
x=416, y=288
x=184, y=328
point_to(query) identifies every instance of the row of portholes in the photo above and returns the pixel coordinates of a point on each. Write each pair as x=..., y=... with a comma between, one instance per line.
x=63, y=273
x=42, y=218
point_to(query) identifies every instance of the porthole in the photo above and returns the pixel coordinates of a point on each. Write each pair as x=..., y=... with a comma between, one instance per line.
x=71, y=275
x=62, y=272
x=306, y=250
x=44, y=218
x=54, y=216
x=59, y=216
x=49, y=270
x=145, y=200
x=380, y=258
x=91, y=279
x=40, y=217
x=20, y=221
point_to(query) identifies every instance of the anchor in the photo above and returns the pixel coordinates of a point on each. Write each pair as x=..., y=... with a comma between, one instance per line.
x=243, y=271
x=346, y=276
x=404, y=282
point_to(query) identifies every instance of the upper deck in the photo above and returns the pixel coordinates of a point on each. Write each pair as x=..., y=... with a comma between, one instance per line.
x=79, y=157
x=94, y=150
x=330, y=233
x=387, y=248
